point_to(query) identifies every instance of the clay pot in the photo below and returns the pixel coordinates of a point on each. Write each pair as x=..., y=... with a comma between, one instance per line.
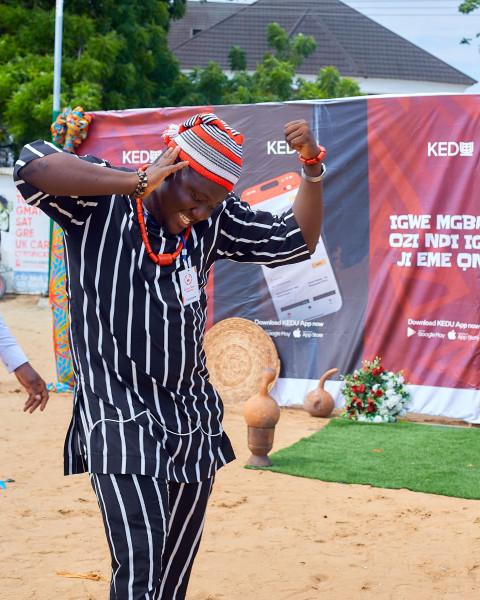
x=318, y=402
x=261, y=414
x=261, y=410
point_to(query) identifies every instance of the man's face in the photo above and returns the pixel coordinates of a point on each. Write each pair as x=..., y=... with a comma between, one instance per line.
x=185, y=198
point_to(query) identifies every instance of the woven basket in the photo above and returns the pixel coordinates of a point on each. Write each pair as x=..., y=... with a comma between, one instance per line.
x=238, y=351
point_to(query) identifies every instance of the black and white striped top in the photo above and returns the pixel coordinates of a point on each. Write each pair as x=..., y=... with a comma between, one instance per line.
x=143, y=402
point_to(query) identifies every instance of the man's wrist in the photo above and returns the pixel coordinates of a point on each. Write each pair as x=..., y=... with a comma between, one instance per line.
x=314, y=158
x=315, y=178
x=141, y=184
x=313, y=170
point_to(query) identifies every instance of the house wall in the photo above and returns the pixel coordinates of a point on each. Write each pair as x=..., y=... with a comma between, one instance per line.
x=372, y=86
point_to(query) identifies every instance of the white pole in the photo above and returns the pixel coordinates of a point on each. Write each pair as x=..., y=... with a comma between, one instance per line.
x=57, y=76
x=57, y=64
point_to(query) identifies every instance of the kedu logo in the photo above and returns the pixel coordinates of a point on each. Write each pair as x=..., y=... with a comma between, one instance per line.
x=279, y=147
x=137, y=157
x=450, y=148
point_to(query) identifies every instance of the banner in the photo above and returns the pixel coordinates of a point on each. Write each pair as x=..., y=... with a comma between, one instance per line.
x=31, y=230
x=425, y=245
x=395, y=273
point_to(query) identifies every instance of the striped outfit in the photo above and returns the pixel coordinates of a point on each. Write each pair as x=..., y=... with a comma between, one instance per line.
x=153, y=530
x=143, y=403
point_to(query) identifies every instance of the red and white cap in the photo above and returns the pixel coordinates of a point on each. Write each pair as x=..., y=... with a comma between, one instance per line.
x=211, y=146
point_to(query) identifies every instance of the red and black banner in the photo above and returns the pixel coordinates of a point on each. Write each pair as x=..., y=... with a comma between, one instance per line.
x=396, y=272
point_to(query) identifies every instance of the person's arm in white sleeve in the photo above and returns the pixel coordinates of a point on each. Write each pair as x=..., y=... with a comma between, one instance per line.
x=15, y=361
x=11, y=355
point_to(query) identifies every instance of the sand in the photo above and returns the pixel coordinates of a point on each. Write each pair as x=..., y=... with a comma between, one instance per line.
x=267, y=536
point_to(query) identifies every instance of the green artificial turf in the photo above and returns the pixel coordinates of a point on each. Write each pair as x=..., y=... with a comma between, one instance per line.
x=423, y=458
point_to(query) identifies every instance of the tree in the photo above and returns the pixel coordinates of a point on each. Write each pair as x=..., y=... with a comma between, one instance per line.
x=211, y=78
x=328, y=84
x=467, y=7
x=114, y=56
x=291, y=51
x=274, y=79
x=237, y=58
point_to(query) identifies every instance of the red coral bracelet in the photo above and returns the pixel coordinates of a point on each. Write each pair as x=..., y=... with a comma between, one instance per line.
x=312, y=161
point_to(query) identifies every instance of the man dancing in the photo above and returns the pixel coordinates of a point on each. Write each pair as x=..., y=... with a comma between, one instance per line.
x=139, y=245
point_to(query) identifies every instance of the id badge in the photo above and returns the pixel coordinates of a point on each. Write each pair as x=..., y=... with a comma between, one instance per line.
x=189, y=285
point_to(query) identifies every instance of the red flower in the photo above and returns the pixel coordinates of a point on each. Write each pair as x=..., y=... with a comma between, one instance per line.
x=378, y=393
x=361, y=389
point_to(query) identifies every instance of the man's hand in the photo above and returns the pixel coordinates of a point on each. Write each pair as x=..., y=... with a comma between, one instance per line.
x=62, y=174
x=163, y=167
x=35, y=386
x=299, y=137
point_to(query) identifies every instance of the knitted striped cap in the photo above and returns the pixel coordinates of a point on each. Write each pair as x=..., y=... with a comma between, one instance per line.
x=212, y=148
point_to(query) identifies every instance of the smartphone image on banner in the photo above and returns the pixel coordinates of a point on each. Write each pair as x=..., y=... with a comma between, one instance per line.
x=306, y=290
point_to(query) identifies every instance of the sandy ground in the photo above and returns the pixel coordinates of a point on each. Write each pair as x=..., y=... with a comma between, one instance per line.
x=268, y=536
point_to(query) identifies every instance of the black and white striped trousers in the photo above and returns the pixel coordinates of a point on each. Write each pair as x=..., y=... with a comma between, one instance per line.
x=153, y=529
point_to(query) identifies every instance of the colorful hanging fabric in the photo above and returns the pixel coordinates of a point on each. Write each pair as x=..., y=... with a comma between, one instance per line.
x=70, y=128
x=68, y=131
x=57, y=295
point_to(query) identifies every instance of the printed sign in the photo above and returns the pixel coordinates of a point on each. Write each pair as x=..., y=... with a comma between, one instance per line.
x=396, y=274
x=31, y=230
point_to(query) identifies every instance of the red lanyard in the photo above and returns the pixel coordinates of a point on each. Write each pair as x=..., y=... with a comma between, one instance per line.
x=158, y=259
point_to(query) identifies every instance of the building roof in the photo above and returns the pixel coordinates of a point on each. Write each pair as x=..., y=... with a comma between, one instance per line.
x=351, y=42
x=198, y=17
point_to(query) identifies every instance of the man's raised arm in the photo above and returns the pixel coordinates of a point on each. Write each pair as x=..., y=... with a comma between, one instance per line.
x=63, y=174
x=308, y=205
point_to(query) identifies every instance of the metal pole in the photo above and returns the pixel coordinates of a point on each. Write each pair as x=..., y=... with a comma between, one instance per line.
x=57, y=64
x=57, y=77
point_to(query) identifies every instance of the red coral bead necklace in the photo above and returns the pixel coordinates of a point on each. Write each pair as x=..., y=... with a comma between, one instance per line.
x=158, y=259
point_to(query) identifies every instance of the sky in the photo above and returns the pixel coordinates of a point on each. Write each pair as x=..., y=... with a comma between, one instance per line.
x=434, y=25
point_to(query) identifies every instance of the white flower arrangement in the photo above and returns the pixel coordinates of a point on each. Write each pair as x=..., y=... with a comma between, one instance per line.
x=374, y=394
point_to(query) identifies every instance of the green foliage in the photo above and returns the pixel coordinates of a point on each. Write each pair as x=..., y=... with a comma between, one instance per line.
x=289, y=51
x=114, y=56
x=206, y=85
x=237, y=58
x=274, y=79
x=301, y=47
x=328, y=84
x=467, y=7
x=278, y=40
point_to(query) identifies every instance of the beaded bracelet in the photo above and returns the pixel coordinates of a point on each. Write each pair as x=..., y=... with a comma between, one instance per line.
x=316, y=159
x=142, y=184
